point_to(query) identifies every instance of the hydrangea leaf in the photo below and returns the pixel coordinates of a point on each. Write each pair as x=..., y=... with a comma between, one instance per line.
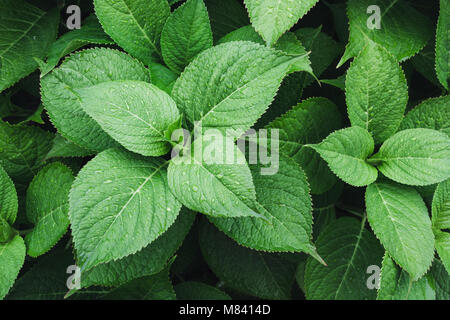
x=399, y=218
x=443, y=45
x=376, y=92
x=8, y=198
x=135, y=25
x=211, y=181
x=273, y=18
x=348, y=248
x=119, y=203
x=47, y=206
x=396, y=284
x=346, y=151
x=441, y=280
x=433, y=114
x=27, y=32
x=440, y=219
x=226, y=16
x=187, y=32
x=85, y=69
x=134, y=113
x=194, y=290
x=245, y=78
x=259, y=274
x=12, y=257
x=403, y=30
x=309, y=122
x=415, y=157
x=64, y=148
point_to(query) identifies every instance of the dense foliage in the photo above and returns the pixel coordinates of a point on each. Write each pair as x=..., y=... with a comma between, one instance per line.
x=103, y=195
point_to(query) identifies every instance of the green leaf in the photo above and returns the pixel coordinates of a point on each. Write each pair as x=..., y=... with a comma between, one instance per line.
x=345, y=151
x=226, y=16
x=90, y=33
x=119, y=203
x=399, y=218
x=135, y=25
x=396, y=284
x=309, y=122
x=64, y=148
x=47, y=207
x=211, y=181
x=162, y=77
x=12, y=256
x=187, y=32
x=7, y=233
x=27, y=32
x=283, y=198
x=271, y=19
x=349, y=249
x=193, y=290
x=440, y=219
x=231, y=85
x=85, y=69
x=259, y=274
x=155, y=287
x=150, y=260
x=441, y=280
x=23, y=150
x=134, y=113
x=376, y=92
x=8, y=198
x=432, y=114
x=403, y=30
x=415, y=157
x=443, y=45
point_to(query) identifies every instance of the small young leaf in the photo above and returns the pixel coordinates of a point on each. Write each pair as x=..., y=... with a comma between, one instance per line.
x=348, y=248
x=440, y=219
x=64, y=148
x=346, y=152
x=47, y=206
x=399, y=218
x=245, y=78
x=12, y=257
x=84, y=69
x=376, y=92
x=259, y=274
x=403, y=30
x=271, y=19
x=193, y=290
x=134, y=113
x=8, y=198
x=415, y=157
x=395, y=284
x=443, y=45
x=187, y=32
x=135, y=25
x=119, y=203
x=204, y=181
x=26, y=32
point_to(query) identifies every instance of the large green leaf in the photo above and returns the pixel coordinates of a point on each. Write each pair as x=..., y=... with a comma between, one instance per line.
x=135, y=25
x=231, y=85
x=47, y=206
x=135, y=113
x=283, y=198
x=309, y=122
x=432, y=114
x=399, y=218
x=376, y=92
x=26, y=32
x=256, y=273
x=84, y=69
x=12, y=256
x=119, y=203
x=346, y=151
x=273, y=18
x=8, y=198
x=396, y=284
x=186, y=33
x=440, y=219
x=403, y=30
x=23, y=150
x=443, y=45
x=212, y=177
x=349, y=249
x=415, y=157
